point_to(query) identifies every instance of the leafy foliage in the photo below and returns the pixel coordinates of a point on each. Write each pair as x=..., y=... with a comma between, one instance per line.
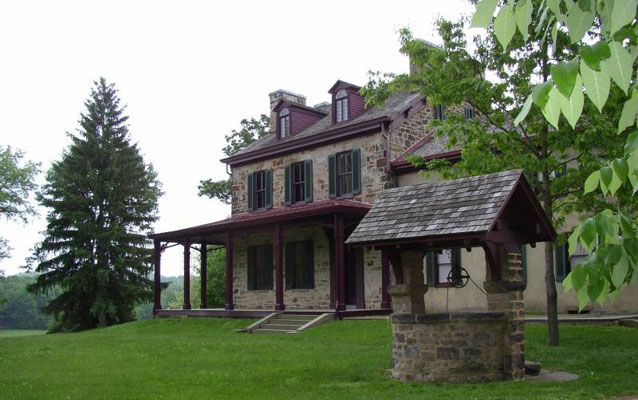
x=21, y=309
x=102, y=198
x=610, y=30
x=251, y=130
x=16, y=184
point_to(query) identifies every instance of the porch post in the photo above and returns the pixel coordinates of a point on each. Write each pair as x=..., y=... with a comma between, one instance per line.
x=229, y=271
x=385, y=281
x=340, y=303
x=202, y=272
x=279, y=269
x=187, y=275
x=157, y=290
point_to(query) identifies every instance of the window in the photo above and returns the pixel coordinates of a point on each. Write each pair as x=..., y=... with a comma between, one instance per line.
x=444, y=266
x=579, y=256
x=260, y=267
x=341, y=102
x=469, y=113
x=439, y=112
x=260, y=189
x=439, y=265
x=561, y=260
x=298, y=182
x=300, y=272
x=344, y=173
x=284, y=123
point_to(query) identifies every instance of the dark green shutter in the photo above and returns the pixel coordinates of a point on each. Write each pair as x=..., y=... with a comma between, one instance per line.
x=309, y=265
x=456, y=265
x=356, y=171
x=430, y=264
x=561, y=264
x=249, y=189
x=269, y=188
x=268, y=266
x=307, y=168
x=251, y=267
x=332, y=176
x=287, y=184
x=524, y=262
x=290, y=259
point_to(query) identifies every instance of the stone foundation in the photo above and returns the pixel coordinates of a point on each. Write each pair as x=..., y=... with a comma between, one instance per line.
x=457, y=347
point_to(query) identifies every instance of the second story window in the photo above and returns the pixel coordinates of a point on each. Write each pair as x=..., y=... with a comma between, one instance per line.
x=298, y=182
x=469, y=112
x=344, y=173
x=439, y=112
x=341, y=103
x=284, y=123
x=260, y=189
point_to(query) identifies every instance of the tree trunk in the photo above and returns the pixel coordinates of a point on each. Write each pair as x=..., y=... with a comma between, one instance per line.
x=101, y=320
x=550, y=279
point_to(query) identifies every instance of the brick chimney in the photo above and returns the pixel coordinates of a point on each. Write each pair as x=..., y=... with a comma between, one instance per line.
x=278, y=95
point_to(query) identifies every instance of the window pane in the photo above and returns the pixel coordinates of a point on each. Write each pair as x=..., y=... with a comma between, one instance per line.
x=339, y=111
x=345, y=109
x=445, y=265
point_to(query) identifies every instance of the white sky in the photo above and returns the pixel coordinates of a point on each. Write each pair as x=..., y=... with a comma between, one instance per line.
x=189, y=72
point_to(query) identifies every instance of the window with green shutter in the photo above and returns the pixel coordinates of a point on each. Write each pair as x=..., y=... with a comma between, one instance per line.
x=268, y=200
x=300, y=271
x=440, y=265
x=260, y=267
x=332, y=176
x=344, y=172
x=308, y=180
x=250, y=192
x=561, y=258
x=430, y=264
x=259, y=190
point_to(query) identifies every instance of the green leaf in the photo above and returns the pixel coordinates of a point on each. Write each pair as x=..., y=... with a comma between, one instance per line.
x=554, y=6
x=619, y=273
x=505, y=25
x=597, y=85
x=606, y=175
x=618, y=65
x=524, y=110
x=583, y=297
x=567, y=283
x=554, y=36
x=484, y=13
x=593, y=55
x=564, y=75
x=524, y=16
x=615, y=184
x=632, y=142
x=627, y=227
x=622, y=14
x=540, y=93
x=551, y=111
x=592, y=181
x=629, y=112
x=578, y=22
x=632, y=163
x=588, y=233
x=620, y=168
x=595, y=289
x=572, y=107
x=579, y=276
x=573, y=241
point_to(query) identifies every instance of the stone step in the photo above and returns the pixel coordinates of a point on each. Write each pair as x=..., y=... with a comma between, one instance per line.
x=632, y=323
x=265, y=330
x=300, y=317
x=283, y=326
x=290, y=321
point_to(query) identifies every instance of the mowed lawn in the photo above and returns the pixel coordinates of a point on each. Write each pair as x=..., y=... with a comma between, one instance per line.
x=20, y=332
x=205, y=359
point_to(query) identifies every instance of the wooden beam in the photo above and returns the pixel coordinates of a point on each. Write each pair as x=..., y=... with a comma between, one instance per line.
x=157, y=287
x=493, y=270
x=279, y=269
x=385, y=281
x=395, y=261
x=187, y=275
x=203, y=270
x=340, y=303
x=229, y=271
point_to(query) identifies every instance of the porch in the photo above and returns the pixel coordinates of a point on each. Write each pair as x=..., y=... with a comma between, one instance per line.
x=334, y=219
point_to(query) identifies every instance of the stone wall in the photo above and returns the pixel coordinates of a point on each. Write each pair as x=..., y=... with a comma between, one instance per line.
x=448, y=347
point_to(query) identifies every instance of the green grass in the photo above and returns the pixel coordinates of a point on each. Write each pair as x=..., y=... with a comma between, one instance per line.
x=205, y=359
x=5, y=333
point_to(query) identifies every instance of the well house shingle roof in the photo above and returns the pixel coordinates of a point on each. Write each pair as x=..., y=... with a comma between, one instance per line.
x=461, y=206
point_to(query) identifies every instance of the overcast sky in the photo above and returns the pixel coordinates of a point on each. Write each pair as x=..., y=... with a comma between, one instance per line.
x=189, y=71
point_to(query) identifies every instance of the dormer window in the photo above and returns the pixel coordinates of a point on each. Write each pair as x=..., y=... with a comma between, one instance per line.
x=284, y=123
x=341, y=102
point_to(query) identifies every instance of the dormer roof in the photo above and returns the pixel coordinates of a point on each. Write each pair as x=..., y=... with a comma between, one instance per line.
x=288, y=104
x=343, y=85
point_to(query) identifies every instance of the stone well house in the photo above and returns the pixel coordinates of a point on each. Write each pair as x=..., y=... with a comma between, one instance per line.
x=298, y=193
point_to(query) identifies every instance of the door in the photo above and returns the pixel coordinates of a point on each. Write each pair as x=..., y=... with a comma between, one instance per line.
x=354, y=278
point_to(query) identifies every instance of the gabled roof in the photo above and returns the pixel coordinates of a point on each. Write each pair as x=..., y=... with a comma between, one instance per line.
x=342, y=85
x=429, y=147
x=287, y=103
x=324, y=130
x=468, y=207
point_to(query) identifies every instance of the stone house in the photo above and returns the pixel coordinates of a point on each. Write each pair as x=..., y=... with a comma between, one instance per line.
x=298, y=193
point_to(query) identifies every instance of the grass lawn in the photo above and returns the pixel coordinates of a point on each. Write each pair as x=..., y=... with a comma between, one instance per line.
x=4, y=333
x=205, y=359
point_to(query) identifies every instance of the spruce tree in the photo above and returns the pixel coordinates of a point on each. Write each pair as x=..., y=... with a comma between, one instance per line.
x=102, y=200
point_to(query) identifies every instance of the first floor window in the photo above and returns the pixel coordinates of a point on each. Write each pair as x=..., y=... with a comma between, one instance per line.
x=443, y=264
x=300, y=270
x=298, y=182
x=260, y=189
x=344, y=173
x=259, y=266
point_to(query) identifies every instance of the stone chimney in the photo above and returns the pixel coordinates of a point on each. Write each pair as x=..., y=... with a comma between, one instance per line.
x=278, y=95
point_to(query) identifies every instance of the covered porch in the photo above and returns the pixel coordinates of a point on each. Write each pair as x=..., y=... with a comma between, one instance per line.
x=334, y=218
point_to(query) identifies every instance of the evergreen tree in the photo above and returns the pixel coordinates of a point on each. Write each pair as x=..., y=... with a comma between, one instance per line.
x=102, y=198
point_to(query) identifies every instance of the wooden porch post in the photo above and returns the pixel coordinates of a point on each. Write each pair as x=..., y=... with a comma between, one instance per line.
x=279, y=269
x=385, y=281
x=187, y=275
x=340, y=303
x=229, y=271
x=203, y=271
x=157, y=290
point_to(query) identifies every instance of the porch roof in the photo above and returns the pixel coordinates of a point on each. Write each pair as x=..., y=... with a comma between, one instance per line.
x=497, y=207
x=214, y=233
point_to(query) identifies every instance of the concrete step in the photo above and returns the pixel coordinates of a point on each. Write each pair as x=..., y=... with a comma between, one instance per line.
x=632, y=323
x=265, y=330
x=290, y=321
x=299, y=317
x=290, y=327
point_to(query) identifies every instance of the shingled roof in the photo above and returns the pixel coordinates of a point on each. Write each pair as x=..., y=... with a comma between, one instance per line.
x=468, y=206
